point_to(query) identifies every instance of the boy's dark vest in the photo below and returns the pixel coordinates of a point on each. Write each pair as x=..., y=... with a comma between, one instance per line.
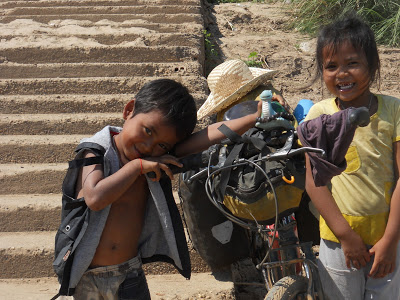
x=75, y=219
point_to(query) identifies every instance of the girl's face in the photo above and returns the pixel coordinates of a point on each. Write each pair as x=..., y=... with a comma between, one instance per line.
x=346, y=74
x=144, y=135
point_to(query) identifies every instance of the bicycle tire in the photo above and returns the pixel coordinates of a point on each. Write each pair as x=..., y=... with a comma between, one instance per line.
x=287, y=288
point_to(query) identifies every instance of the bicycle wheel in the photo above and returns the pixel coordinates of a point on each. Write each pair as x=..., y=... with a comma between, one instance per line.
x=288, y=288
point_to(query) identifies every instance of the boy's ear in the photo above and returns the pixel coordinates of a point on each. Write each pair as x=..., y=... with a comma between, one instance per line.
x=128, y=109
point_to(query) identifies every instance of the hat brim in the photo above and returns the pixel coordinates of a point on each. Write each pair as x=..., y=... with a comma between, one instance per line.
x=211, y=106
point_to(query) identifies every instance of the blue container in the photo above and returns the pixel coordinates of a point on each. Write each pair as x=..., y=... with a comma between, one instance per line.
x=302, y=109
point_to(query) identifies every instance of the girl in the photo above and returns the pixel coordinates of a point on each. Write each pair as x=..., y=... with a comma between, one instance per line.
x=360, y=209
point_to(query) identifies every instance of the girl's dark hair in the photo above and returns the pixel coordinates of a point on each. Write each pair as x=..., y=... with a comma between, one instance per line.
x=174, y=102
x=349, y=29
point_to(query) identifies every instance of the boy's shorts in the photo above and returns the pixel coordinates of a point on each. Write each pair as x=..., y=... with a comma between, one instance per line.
x=125, y=281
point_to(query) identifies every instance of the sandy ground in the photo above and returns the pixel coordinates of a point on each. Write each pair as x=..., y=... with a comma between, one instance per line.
x=239, y=29
x=162, y=287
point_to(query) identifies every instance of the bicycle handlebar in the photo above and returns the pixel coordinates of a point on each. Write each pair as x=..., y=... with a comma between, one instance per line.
x=193, y=161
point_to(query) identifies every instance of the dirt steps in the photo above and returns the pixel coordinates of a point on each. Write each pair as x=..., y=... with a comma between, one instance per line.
x=66, y=70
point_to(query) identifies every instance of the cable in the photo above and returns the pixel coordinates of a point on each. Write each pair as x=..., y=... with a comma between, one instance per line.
x=210, y=188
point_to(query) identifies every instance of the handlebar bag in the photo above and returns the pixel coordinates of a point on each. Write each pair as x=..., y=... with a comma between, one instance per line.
x=244, y=190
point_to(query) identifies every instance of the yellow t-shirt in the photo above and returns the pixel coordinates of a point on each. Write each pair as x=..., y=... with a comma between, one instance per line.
x=363, y=191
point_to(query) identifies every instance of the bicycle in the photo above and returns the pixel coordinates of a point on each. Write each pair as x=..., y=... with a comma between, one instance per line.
x=288, y=267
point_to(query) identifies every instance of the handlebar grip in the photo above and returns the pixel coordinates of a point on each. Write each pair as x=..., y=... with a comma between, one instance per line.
x=359, y=116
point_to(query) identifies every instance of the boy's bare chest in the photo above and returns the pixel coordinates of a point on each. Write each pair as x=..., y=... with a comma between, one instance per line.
x=123, y=227
x=130, y=207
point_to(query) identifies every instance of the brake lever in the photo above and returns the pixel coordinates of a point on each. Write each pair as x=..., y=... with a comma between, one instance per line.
x=287, y=154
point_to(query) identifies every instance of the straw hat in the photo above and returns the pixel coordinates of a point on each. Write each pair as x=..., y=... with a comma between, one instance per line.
x=230, y=81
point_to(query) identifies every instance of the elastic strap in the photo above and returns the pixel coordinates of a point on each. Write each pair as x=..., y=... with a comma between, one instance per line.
x=141, y=167
x=82, y=162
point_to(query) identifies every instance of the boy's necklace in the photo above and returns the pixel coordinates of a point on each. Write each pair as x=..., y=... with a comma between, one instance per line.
x=341, y=106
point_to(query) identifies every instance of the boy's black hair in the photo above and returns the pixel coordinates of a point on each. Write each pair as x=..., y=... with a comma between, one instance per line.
x=350, y=28
x=173, y=100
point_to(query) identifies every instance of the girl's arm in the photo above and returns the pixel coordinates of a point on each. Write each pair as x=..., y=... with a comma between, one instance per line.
x=386, y=248
x=210, y=135
x=353, y=247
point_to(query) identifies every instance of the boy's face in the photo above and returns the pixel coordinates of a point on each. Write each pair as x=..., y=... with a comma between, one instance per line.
x=144, y=135
x=346, y=74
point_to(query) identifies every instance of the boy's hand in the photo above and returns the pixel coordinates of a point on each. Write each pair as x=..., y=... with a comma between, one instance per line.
x=156, y=164
x=385, y=258
x=259, y=109
x=354, y=250
x=281, y=101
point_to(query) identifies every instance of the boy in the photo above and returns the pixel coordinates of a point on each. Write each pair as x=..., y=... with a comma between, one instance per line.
x=133, y=218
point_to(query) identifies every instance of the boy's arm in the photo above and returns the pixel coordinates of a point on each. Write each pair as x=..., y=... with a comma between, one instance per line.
x=386, y=248
x=210, y=135
x=100, y=191
x=353, y=247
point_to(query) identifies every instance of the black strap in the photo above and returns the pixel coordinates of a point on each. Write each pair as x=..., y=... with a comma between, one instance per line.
x=226, y=173
x=56, y=296
x=82, y=162
x=237, y=139
x=92, y=146
x=230, y=134
x=74, y=204
x=64, y=287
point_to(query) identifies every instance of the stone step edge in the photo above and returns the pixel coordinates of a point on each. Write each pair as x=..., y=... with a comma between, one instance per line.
x=110, y=39
x=39, y=201
x=9, y=203
x=111, y=84
x=178, y=19
x=71, y=103
x=11, y=70
x=32, y=140
x=50, y=3
x=7, y=170
x=16, y=243
x=151, y=8
x=57, y=118
x=154, y=27
x=72, y=97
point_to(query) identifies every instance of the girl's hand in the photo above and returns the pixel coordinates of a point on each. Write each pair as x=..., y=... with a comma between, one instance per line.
x=156, y=164
x=385, y=258
x=354, y=250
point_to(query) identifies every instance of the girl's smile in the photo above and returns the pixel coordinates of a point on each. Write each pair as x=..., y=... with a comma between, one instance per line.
x=346, y=75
